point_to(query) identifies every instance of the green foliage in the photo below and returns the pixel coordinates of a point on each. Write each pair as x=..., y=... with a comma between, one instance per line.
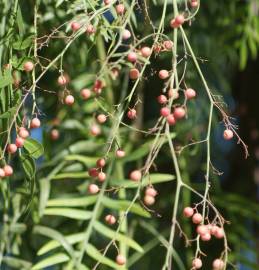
x=48, y=219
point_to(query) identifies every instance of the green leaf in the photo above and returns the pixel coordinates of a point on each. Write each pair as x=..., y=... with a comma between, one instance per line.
x=48, y=232
x=98, y=256
x=44, y=195
x=124, y=205
x=154, y=178
x=28, y=166
x=99, y=227
x=8, y=114
x=16, y=262
x=143, y=150
x=71, y=239
x=72, y=124
x=51, y=260
x=72, y=202
x=70, y=266
x=72, y=175
x=20, y=23
x=22, y=44
x=243, y=55
x=6, y=79
x=33, y=147
x=68, y=212
x=18, y=228
x=78, y=147
x=88, y=161
x=59, y=2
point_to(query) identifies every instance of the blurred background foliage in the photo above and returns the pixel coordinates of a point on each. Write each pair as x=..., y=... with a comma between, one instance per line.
x=225, y=37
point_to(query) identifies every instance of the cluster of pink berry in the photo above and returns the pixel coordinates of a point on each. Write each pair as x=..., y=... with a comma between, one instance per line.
x=205, y=232
x=97, y=172
x=75, y=26
x=217, y=264
x=23, y=133
x=150, y=194
x=85, y=93
x=179, y=112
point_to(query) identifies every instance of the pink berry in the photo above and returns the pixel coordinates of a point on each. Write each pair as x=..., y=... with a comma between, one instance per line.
x=171, y=119
x=126, y=34
x=85, y=93
x=202, y=229
x=134, y=74
x=194, y=4
x=120, y=9
x=197, y=263
x=93, y=172
x=19, y=142
x=120, y=259
x=75, y=26
x=213, y=229
x=107, y=2
x=146, y=52
x=12, y=148
x=219, y=233
x=120, y=153
x=98, y=86
x=2, y=173
x=168, y=45
x=162, y=99
x=163, y=74
x=28, y=66
x=188, y=212
x=149, y=200
x=54, y=134
x=101, y=176
x=93, y=189
x=218, y=264
x=90, y=29
x=228, y=134
x=172, y=93
x=35, y=123
x=132, y=114
x=98, y=91
x=179, y=112
x=136, y=175
x=69, y=100
x=95, y=130
x=174, y=24
x=23, y=133
x=62, y=80
x=206, y=237
x=190, y=93
x=179, y=19
x=8, y=170
x=132, y=57
x=110, y=219
x=101, y=118
x=164, y=111
x=197, y=218
x=100, y=163
x=150, y=191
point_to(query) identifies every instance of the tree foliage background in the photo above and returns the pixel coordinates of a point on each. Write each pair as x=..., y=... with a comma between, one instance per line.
x=46, y=212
